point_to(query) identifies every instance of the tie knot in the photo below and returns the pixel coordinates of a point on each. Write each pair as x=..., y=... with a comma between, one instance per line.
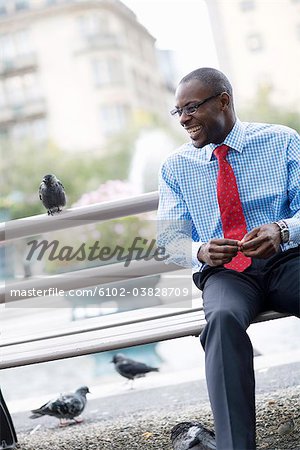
x=221, y=151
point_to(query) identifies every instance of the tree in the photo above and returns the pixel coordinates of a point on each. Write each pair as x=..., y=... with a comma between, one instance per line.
x=263, y=109
x=24, y=166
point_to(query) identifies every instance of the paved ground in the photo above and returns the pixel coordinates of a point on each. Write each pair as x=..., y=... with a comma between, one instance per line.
x=119, y=419
x=142, y=418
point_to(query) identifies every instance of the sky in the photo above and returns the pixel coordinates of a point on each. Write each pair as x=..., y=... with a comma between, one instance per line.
x=182, y=26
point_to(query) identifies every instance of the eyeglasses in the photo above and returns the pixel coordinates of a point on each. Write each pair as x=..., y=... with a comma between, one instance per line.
x=191, y=109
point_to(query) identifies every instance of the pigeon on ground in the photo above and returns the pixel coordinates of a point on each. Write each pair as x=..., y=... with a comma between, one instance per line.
x=66, y=406
x=192, y=436
x=286, y=427
x=52, y=194
x=131, y=369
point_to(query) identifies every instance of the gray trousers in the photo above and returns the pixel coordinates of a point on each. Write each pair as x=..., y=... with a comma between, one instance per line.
x=231, y=301
x=8, y=437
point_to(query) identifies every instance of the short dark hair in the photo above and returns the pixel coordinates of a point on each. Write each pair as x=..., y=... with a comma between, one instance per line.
x=212, y=78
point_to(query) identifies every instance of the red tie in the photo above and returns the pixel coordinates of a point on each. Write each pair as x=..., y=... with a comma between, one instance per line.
x=232, y=216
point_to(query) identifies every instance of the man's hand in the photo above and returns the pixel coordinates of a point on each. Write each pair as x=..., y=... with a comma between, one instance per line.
x=217, y=252
x=261, y=242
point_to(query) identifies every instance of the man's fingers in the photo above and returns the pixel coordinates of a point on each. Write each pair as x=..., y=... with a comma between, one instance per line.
x=252, y=234
x=218, y=252
x=262, y=252
x=220, y=258
x=223, y=252
x=251, y=244
x=222, y=242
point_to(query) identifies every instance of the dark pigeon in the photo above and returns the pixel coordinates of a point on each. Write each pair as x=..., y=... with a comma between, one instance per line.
x=130, y=368
x=192, y=436
x=52, y=194
x=66, y=406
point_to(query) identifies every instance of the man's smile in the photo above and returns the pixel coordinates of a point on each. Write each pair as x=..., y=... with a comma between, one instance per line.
x=194, y=131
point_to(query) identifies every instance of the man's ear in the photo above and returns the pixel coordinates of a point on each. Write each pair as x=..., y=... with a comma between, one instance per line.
x=225, y=100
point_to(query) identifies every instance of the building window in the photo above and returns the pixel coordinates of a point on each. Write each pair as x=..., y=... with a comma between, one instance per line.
x=92, y=25
x=14, y=45
x=31, y=87
x=14, y=91
x=21, y=4
x=254, y=42
x=113, y=118
x=22, y=89
x=247, y=5
x=7, y=48
x=3, y=9
x=23, y=43
x=33, y=129
x=107, y=71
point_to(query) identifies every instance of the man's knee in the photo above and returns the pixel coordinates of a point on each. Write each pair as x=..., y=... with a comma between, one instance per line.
x=222, y=324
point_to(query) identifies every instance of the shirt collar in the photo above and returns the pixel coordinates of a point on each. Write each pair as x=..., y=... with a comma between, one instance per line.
x=235, y=140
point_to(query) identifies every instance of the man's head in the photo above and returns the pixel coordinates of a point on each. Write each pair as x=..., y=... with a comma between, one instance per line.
x=204, y=104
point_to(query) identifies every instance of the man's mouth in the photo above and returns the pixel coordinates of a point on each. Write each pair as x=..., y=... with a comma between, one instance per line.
x=194, y=131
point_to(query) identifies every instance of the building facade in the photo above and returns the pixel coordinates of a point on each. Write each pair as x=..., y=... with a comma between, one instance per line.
x=258, y=45
x=75, y=71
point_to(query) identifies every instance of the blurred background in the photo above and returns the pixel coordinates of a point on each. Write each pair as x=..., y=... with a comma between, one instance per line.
x=85, y=92
x=82, y=82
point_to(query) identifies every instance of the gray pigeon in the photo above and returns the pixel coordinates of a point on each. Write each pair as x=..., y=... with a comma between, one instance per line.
x=131, y=369
x=286, y=427
x=52, y=194
x=66, y=406
x=192, y=436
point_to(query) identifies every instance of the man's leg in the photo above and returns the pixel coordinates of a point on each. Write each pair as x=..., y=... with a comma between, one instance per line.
x=8, y=437
x=283, y=281
x=231, y=301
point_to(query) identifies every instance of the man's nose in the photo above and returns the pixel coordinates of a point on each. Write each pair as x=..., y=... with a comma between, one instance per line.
x=184, y=118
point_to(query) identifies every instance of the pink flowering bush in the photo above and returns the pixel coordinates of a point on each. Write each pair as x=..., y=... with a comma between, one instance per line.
x=111, y=190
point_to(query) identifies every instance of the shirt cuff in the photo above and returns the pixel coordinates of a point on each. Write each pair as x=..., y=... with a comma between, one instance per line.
x=197, y=265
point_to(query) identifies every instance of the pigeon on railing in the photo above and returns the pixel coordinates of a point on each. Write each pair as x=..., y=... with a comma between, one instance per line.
x=192, y=436
x=65, y=407
x=52, y=194
x=131, y=369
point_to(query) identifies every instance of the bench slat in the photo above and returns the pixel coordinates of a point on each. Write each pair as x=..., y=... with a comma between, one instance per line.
x=122, y=336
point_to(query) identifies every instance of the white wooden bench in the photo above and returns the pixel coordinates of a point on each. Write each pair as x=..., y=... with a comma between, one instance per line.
x=108, y=333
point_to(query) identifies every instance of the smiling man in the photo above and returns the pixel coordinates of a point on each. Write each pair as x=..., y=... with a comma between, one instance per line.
x=230, y=208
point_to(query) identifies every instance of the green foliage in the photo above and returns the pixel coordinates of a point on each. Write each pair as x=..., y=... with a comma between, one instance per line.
x=118, y=239
x=264, y=110
x=24, y=166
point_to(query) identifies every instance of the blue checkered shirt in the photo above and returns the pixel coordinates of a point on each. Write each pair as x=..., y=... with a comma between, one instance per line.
x=266, y=162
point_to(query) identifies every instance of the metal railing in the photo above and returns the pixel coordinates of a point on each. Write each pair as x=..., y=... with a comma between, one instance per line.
x=73, y=217
x=118, y=331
